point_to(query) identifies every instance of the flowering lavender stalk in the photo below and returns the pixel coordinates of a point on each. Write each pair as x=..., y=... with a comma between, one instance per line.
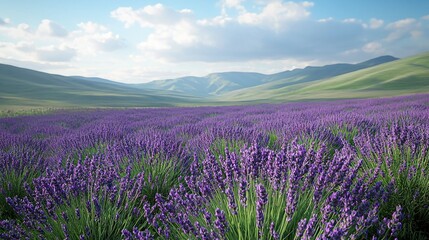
x=310, y=228
x=261, y=201
x=97, y=207
x=394, y=224
x=220, y=223
x=207, y=216
x=228, y=167
x=231, y=200
x=302, y=224
x=77, y=212
x=65, y=217
x=273, y=232
x=242, y=191
x=127, y=234
x=202, y=231
x=65, y=231
x=291, y=200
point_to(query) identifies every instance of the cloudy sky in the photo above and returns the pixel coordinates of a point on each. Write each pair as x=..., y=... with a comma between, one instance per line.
x=137, y=41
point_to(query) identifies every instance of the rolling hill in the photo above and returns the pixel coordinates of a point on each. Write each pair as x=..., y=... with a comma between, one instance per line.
x=21, y=87
x=379, y=77
x=217, y=84
x=212, y=84
x=404, y=76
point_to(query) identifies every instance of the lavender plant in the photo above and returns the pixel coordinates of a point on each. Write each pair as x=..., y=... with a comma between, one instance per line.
x=353, y=169
x=21, y=160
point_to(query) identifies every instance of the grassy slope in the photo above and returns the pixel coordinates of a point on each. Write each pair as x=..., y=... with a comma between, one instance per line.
x=23, y=88
x=217, y=84
x=405, y=76
x=212, y=84
x=28, y=89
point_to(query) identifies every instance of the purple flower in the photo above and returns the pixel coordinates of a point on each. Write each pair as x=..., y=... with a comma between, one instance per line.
x=127, y=234
x=273, y=232
x=310, y=228
x=142, y=235
x=207, y=216
x=77, y=212
x=394, y=224
x=302, y=224
x=64, y=215
x=242, y=191
x=202, y=232
x=261, y=201
x=65, y=231
x=220, y=223
x=97, y=207
x=231, y=200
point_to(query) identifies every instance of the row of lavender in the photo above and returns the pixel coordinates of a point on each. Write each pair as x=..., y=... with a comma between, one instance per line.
x=333, y=170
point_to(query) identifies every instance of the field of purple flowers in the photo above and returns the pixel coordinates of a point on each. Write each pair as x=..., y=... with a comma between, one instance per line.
x=330, y=170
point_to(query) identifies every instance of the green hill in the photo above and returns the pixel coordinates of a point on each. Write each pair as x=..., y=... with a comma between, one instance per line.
x=380, y=77
x=217, y=84
x=210, y=85
x=20, y=88
x=405, y=76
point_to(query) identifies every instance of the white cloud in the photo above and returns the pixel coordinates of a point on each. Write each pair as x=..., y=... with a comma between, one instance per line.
x=22, y=50
x=352, y=20
x=91, y=27
x=276, y=14
x=50, y=28
x=92, y=38
x=416, y=34
x=279, y=30
x=24, y=46
x=236, y=42
x=151, y=16
x=55, y=53
x=375, y=23
x=50, y=42
x=28, y=51
x=326, y=19
x=216, y=21
x=257, y=35
x=401, y=24
x=401, y=28
x=170, y=27
x=272, y=30
x=373, y=47
x=232, y=3
x=20, y=31
x=4, y=21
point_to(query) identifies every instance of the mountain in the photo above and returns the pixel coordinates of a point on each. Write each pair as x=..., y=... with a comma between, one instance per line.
x=99, y=80
x=212, y=84
x=21, y=87
x=379, y=77
x=217, y=84
x=400, y=77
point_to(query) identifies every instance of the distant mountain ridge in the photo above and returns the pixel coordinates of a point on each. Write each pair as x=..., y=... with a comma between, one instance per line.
x=378, y=77
x=399, y=77
x=25, y=87
x=216, y=84
x=212, y=84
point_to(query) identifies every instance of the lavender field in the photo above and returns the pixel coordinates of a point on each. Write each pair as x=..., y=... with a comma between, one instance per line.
x=352, y=169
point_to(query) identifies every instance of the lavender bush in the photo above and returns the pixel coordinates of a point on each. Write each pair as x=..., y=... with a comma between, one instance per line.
x=353, y=169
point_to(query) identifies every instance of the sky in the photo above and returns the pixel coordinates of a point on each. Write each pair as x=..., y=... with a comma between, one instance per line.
x=136, y=41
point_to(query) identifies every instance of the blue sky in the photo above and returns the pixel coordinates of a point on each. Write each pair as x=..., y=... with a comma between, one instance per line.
x=138, y=41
